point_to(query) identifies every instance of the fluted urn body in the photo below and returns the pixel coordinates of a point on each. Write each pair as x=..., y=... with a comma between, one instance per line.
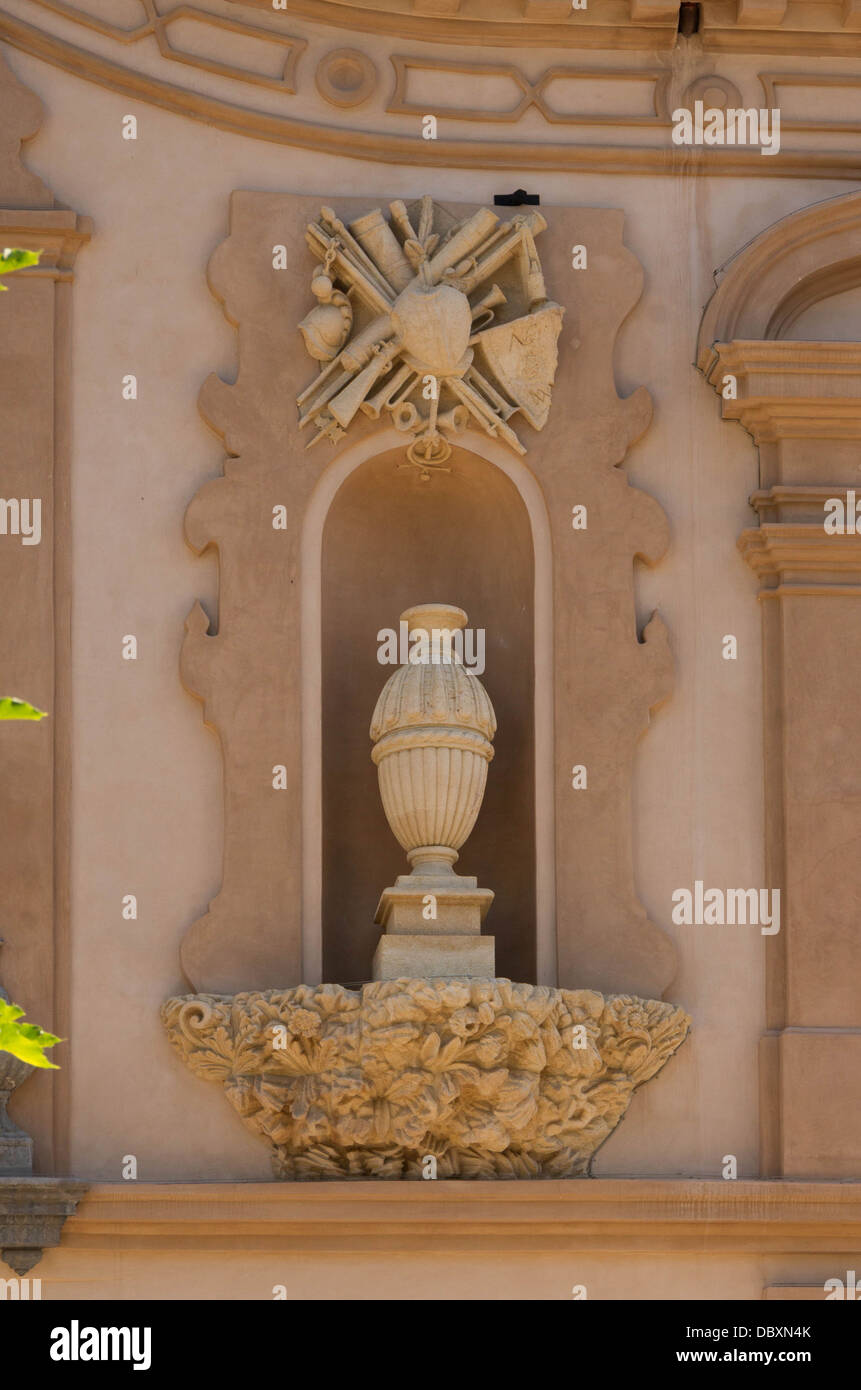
x=432, y=729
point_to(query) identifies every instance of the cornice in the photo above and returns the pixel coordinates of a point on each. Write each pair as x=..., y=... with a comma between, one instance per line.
x=193, y=85
x=607, y=1214
x=798, y=390
x=806, y=554
x=553, y=24
x=806, y=27
x=795, y=501
x=57, y=232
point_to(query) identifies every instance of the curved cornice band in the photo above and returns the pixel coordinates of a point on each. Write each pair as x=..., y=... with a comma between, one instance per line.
x=393, y=148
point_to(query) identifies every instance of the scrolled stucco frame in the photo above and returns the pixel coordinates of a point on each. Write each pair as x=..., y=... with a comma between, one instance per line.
x=261, y=930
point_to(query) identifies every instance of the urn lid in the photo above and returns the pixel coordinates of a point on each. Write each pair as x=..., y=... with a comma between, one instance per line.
x=427, y=616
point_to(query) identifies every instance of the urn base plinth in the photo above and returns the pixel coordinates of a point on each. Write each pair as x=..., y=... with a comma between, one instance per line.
x=440, y=957
x=432, y=928
x=433, y=905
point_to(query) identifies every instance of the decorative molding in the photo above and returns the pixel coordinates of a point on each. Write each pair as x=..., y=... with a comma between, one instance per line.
x=761, y=14
x=808, y=552
x=156, y=24
x=705, y=87
x=511, y=23
x=794, y=502
x=385, y=146
x=799, y=260
x=346, y=77
x=605, y=1214
x=655, y=12
x=789, y=390
x=818, y=81
x=806, y=27
x=532, y=93
x=492, y=1078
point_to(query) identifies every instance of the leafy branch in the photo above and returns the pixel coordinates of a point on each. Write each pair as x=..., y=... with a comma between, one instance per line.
x=12, y=708
x=26, y=1041
x=15, y=258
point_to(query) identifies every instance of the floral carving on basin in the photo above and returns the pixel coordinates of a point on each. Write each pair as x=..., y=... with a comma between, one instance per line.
x=495, y=1079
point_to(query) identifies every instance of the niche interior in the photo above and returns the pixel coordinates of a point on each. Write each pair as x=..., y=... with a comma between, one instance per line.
x=392, y=540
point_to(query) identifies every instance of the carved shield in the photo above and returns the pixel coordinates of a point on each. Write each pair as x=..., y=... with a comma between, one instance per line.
x=522, y=356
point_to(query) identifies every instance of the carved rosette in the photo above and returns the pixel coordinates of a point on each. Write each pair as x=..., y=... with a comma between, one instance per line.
x=432, y=729
x=495, y=1079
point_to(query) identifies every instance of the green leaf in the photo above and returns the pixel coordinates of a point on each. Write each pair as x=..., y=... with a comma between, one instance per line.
x=26, y=1041
x=15, y=258
x=12, y=708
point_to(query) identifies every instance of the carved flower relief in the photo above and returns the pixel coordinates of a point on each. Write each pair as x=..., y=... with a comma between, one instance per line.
x=493, y=1078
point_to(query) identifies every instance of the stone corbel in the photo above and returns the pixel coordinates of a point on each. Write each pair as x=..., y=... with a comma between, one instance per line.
x=32, y=1214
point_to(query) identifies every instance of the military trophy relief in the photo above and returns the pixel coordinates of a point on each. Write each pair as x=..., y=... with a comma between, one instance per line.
x=431, y=324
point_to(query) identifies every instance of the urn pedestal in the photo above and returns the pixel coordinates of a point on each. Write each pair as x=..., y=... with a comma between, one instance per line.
x=432, y=730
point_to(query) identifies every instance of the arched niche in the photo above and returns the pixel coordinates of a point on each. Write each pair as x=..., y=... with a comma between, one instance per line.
x=391, y=540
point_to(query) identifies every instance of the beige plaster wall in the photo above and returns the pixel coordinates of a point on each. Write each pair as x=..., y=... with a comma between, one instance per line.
x=140, y=1274
x=146, y=811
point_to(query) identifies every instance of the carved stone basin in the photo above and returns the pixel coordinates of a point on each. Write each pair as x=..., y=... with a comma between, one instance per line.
x=495, y=1079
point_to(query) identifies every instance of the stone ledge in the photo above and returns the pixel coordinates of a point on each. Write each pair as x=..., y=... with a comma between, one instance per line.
x=32, y=1213
x=601, y=1214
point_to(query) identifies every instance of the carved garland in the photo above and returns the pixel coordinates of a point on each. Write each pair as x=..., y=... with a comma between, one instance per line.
x=493, y=1079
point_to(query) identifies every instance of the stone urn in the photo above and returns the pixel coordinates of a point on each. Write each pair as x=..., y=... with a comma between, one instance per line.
x=432, y=729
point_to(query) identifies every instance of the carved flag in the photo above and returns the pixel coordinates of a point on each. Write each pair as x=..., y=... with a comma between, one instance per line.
x=522, y=356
